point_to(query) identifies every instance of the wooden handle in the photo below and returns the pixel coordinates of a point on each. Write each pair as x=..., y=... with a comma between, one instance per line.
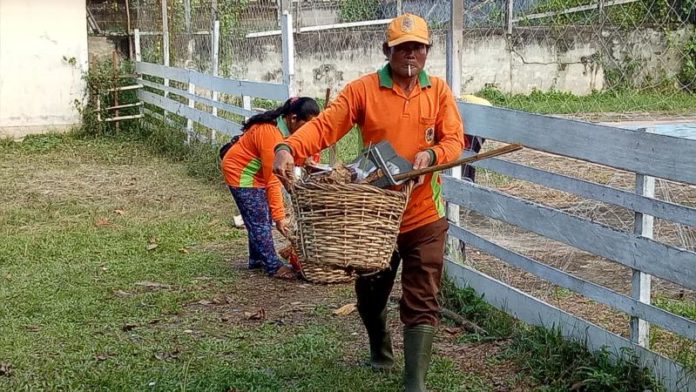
x=332, y=148
x=488, y=154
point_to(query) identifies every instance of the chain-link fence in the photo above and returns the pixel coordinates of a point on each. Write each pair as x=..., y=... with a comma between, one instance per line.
x=510, y=47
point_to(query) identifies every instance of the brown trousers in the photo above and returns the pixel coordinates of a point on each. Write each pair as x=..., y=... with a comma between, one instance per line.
x=422, y=252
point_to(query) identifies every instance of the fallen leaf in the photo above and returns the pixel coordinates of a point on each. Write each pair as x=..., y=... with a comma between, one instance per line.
x=204, y=302
x=101, y=358
x=5, y=369
x=152, y=240
x=221, y=300
x=151, y=246
x=167, y=356
x=259, y=315
x=188, y=331
x=152, y=285
x=122, y=294
x=129, y=327
x=32, y=328
x=102, y=222
x=345, y=310
x=184, y=251
x=119, y=212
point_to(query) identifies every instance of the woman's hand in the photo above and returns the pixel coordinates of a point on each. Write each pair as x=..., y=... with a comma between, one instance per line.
x=284, y=167
x=282, y=227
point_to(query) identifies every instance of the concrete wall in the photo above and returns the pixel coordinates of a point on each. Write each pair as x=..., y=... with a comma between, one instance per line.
x=43, y=54
x=536, y=58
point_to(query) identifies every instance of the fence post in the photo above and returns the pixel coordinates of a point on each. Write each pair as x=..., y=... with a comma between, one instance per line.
x=165, y=47
x=246, y=104
x=288, y=53
x=191, y=104
x=508, y=16
x=399, y=7
x=455, y=38
x=136, y=38
x=641, y=282
x=138, y=58
x=602, y=13
x=216, y=56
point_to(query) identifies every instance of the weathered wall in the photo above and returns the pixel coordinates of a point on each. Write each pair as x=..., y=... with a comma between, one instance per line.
x=534, y=59
x=43, y=53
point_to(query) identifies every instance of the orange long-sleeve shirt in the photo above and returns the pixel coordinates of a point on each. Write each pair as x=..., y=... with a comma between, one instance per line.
x=427, y=119
x=249, y=163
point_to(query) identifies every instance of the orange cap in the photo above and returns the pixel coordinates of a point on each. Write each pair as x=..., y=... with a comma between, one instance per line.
x=407, y=28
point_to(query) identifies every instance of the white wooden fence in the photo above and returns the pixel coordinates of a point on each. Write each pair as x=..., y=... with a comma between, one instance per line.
x=196, y=81
x=646, y=154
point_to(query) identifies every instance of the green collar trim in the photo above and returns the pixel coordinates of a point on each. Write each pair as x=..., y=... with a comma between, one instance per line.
x=283, y=126
x=385, y=79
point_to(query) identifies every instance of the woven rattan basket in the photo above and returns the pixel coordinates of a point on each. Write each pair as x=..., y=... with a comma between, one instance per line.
x=322, y=274
x=352, y=227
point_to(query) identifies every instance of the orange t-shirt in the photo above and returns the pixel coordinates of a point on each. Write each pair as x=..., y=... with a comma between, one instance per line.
x=427, y=119
x=249, y=163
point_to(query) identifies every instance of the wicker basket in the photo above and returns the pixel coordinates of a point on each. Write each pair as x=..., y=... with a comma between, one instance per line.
x=348, y=226
x=315, y=273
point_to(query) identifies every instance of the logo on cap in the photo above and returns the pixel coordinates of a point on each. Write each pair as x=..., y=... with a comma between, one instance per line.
x=407, y=24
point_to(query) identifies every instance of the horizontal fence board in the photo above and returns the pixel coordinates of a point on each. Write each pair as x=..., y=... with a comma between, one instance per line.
x=647, y=255
x=640, y=152
x=649, y=206
x=203, y=118
x=536, y=312
x=207, y=101
x=667, y=320
x=276, y=92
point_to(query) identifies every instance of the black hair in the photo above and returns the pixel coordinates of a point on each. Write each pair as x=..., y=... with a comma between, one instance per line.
x=303, y=107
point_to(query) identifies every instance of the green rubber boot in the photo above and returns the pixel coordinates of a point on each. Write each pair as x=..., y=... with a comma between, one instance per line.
x=381, y=354
x=418, y=343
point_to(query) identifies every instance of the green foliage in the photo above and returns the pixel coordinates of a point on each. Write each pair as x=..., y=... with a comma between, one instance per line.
x=563, y=365
x=618, y=100
x=358, y=10
x=102, y=76
x=553, y=361
x=200, y=158
x=646, y=13
x=687, y=73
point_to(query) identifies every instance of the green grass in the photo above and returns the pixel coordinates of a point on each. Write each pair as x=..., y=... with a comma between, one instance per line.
x=620, y=101
x=75, y=225
x=685, y=349
x=554, y=363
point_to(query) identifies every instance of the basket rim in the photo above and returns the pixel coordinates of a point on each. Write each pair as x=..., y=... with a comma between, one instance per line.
x=367, y=188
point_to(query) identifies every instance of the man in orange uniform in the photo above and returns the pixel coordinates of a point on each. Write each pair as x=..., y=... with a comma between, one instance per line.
x=418, y=115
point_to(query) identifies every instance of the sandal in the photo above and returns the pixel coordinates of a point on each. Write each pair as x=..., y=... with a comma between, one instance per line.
x=285, y=272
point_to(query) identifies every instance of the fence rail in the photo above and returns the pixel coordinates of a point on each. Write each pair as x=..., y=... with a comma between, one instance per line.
x=537, y=312
x=643, y=153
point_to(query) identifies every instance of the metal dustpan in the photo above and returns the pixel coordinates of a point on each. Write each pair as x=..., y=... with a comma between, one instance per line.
x=382, y=157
